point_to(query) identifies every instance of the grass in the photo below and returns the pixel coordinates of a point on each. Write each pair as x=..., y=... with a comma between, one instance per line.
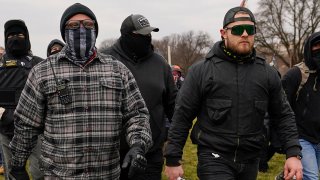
x=189, y=160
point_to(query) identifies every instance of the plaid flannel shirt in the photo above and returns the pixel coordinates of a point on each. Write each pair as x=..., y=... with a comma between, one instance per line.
x=80, y=139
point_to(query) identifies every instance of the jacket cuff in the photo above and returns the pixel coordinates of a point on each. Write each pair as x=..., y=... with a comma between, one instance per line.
x=173, y=161
x=142, y=147
x=293, y=151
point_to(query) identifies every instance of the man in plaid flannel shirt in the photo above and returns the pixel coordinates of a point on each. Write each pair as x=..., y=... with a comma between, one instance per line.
x=80, y=100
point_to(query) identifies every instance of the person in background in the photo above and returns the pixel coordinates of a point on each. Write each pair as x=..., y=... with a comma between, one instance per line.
x=177, y=75
x=2, y=51
x=80, y=100
x=14, y=69
x=153, y=75
x=302, y=85
x=54, y=47
x=230, y=92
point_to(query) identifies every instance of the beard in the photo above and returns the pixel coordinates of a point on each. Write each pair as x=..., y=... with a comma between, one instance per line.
x=241, y=48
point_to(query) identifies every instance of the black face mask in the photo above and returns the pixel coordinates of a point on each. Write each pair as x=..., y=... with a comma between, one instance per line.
x=316, y=58
x=137, y=44
x=16, y=46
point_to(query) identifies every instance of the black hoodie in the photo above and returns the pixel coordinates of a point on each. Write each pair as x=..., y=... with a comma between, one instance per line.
x=307, y=105
x=155, y=82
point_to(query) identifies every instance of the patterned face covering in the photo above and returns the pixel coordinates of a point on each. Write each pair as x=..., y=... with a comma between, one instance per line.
x=80, y=44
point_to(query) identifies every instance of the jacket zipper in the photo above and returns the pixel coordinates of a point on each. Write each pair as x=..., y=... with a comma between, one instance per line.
x=238, y=140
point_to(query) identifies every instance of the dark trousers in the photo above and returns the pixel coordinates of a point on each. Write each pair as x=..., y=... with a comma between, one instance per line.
x=153, y=170
x=212, y=166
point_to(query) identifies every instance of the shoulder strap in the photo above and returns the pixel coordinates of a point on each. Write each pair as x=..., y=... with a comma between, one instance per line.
x=305, y=72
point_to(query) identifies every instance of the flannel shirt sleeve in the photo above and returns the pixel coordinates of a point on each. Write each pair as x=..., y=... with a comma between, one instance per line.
x=135, y=114
x=27, y=121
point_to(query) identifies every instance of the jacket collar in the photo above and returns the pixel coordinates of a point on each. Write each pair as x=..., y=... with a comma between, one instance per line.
x=217, y=51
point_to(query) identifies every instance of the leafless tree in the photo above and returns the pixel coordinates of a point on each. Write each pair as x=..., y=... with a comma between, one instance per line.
x=283, y=26
x=186, y=48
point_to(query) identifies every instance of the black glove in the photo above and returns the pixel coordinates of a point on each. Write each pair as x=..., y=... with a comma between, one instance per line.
x=18, y=173
x=136, y=158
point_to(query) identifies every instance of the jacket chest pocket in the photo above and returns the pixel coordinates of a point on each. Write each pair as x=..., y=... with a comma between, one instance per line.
x=111, y=91
x=218, y=110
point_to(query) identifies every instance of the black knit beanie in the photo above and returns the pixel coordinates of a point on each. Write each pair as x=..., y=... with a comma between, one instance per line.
x=74, y=9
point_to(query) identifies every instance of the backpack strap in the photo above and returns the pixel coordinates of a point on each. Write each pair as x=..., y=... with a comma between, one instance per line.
x=305, y=72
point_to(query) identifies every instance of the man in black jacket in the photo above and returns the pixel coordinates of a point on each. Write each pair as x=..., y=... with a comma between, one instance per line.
x=305, y=102
x=14, y=69
x=153, y=75
x=229, y=92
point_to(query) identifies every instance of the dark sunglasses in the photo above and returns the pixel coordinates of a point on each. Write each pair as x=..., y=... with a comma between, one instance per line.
x=75, y=24
x=239, y=29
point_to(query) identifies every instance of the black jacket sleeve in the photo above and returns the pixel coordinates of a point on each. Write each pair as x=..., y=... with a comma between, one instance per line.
x=187, y=107
x=283, y=116
x=171, y=93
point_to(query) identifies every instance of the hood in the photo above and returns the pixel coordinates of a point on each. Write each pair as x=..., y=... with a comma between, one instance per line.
x=312, y=65
x=16, y=26
x=55, y=41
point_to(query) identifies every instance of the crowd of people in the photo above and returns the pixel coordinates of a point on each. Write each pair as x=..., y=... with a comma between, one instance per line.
x=125, y=112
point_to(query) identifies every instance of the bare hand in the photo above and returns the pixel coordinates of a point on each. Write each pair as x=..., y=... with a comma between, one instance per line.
x=173, y=172
x=293, y=167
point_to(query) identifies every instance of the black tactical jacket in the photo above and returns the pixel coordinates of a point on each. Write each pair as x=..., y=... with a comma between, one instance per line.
x=13, y=76
x=230, y=100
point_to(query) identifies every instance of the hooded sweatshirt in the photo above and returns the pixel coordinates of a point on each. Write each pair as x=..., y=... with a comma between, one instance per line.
x=155, y=81
x=307, y=105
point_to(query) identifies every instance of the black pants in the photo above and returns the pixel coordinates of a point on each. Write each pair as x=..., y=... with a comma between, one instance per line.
x=212, y=166
x=153, y=170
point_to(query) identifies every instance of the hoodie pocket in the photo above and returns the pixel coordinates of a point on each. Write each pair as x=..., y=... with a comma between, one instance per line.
x=218, y=109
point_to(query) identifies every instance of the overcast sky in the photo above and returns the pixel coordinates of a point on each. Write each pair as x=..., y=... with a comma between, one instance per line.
x=42, y=17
